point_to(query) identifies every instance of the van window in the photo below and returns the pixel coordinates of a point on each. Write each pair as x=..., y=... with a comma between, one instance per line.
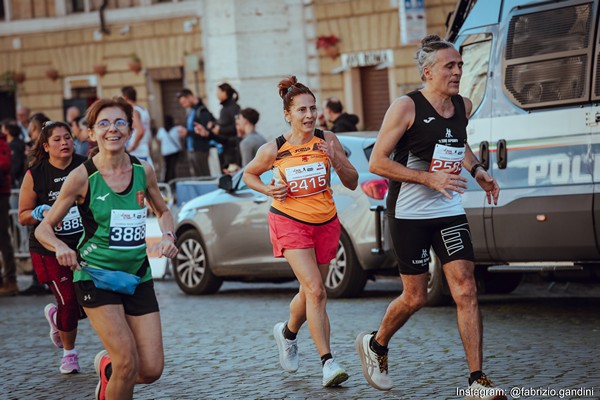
x=548, y=55
x=475, y=53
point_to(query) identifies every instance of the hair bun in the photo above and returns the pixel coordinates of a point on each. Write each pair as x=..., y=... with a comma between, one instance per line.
x=285, y=85
x=430, y=39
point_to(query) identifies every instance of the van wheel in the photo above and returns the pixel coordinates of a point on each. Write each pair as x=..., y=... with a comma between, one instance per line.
x=190, y=266
x=501, y=283
x=345, y=277
x=436, y=282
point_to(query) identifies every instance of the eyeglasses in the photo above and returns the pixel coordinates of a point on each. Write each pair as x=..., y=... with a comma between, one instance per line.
x=105, y=124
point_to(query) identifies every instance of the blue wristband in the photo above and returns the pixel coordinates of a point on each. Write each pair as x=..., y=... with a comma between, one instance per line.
x=38, y=212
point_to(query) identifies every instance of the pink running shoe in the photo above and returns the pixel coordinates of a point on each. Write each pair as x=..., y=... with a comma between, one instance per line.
x=69, y=364
x=101, y=362
x=50, y=313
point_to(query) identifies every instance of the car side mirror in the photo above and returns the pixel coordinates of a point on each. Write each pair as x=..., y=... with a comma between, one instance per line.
x=226, y=183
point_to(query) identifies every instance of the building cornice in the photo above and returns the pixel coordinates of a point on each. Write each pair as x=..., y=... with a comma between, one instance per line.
x=190, y=8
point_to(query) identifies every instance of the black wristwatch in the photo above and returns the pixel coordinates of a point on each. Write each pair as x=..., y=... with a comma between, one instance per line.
x=474, y=169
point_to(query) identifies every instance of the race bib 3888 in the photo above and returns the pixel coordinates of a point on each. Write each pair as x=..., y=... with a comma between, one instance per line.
x=127, y=229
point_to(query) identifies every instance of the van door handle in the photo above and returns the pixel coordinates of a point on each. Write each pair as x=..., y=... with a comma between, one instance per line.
x=484, y=154
x=501, y=154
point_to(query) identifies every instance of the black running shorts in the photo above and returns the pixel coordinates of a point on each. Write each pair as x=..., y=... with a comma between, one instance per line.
x=142, y=301
x=450, y=238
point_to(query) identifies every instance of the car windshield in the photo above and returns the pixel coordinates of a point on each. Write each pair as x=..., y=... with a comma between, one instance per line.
x=241, y=185
x=368, y=151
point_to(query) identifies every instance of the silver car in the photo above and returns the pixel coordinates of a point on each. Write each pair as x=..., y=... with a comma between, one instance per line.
x=224, y=234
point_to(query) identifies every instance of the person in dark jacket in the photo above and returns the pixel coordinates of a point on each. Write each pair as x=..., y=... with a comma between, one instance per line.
x=9, y=269
x=17, y=152
x=342, y=122
x=225, y=128
x=199, y=135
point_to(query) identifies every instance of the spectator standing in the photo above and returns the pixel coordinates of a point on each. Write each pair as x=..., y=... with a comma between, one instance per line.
x=53, y=159
x=225, y=127
x=9, y=270
x=23, y=115
x=36, y=123
x=251, y=140
x=198, y=135
x=170, y=146
x=72, y=113
x=81, y=136
x=17, y=152
x=139, y=144
x=341, y=121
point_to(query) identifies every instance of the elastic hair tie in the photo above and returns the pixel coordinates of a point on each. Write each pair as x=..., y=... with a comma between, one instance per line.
x=290, y=89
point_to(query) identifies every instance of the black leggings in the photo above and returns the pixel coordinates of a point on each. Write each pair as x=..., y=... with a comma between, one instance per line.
x=171, y=166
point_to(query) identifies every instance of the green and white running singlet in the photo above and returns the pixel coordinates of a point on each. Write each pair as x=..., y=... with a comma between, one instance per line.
x=114, y=224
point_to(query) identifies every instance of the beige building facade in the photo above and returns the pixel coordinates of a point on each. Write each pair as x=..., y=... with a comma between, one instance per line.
x=373, y=66
x=56, y=53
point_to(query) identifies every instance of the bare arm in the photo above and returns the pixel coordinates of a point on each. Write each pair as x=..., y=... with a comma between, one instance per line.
x=27, y=201
x=398, y=119
x=139, y=130
x=72, y=191
x=262, y=162
x=165, y=218
x=337, y=157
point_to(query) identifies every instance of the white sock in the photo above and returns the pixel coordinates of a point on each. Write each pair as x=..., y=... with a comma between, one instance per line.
x=69, y=352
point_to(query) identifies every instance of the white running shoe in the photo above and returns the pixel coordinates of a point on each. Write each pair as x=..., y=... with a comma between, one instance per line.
x=288, y=349
x=374, y=366
x=484, y=389
x=333, y=374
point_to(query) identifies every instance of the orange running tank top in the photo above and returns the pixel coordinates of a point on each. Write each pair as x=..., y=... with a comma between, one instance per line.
x=305, y=170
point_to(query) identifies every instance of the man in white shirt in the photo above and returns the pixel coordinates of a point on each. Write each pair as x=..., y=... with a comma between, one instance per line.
x=139, y=144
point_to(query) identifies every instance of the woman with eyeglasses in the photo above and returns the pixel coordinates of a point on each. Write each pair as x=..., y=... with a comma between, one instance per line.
x=52, y=159
x=110, y=190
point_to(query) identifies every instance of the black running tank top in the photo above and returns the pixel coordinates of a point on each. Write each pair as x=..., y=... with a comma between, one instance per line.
x=429, y=131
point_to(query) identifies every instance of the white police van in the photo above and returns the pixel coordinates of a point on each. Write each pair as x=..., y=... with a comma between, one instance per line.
x=532, y=70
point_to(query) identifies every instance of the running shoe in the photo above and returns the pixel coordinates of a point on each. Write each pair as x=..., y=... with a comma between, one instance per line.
x=50, y=313
x=288, y=349
x=484, y=389
x=69, y=364
x=374, y=366
x=333, y=374
x=101, y=362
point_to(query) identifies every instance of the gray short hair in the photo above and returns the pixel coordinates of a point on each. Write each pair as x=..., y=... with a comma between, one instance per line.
x=425, y=56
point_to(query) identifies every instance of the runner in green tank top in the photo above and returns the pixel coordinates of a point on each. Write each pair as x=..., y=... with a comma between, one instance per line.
x=110, y=190
x=114, y=222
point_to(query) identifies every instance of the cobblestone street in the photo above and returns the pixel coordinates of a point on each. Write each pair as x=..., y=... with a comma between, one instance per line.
x=221, y=346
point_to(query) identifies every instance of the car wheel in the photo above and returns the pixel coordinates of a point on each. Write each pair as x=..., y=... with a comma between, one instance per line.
x=436, y=293
x=190, y=267
x=345, y=277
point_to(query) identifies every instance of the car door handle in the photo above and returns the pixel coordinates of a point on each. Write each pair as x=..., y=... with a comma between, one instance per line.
x=260, y=199
x=484, y=154
x=501, y=154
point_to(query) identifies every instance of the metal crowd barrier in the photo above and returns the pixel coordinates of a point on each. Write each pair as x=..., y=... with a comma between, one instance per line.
x=19, y=234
